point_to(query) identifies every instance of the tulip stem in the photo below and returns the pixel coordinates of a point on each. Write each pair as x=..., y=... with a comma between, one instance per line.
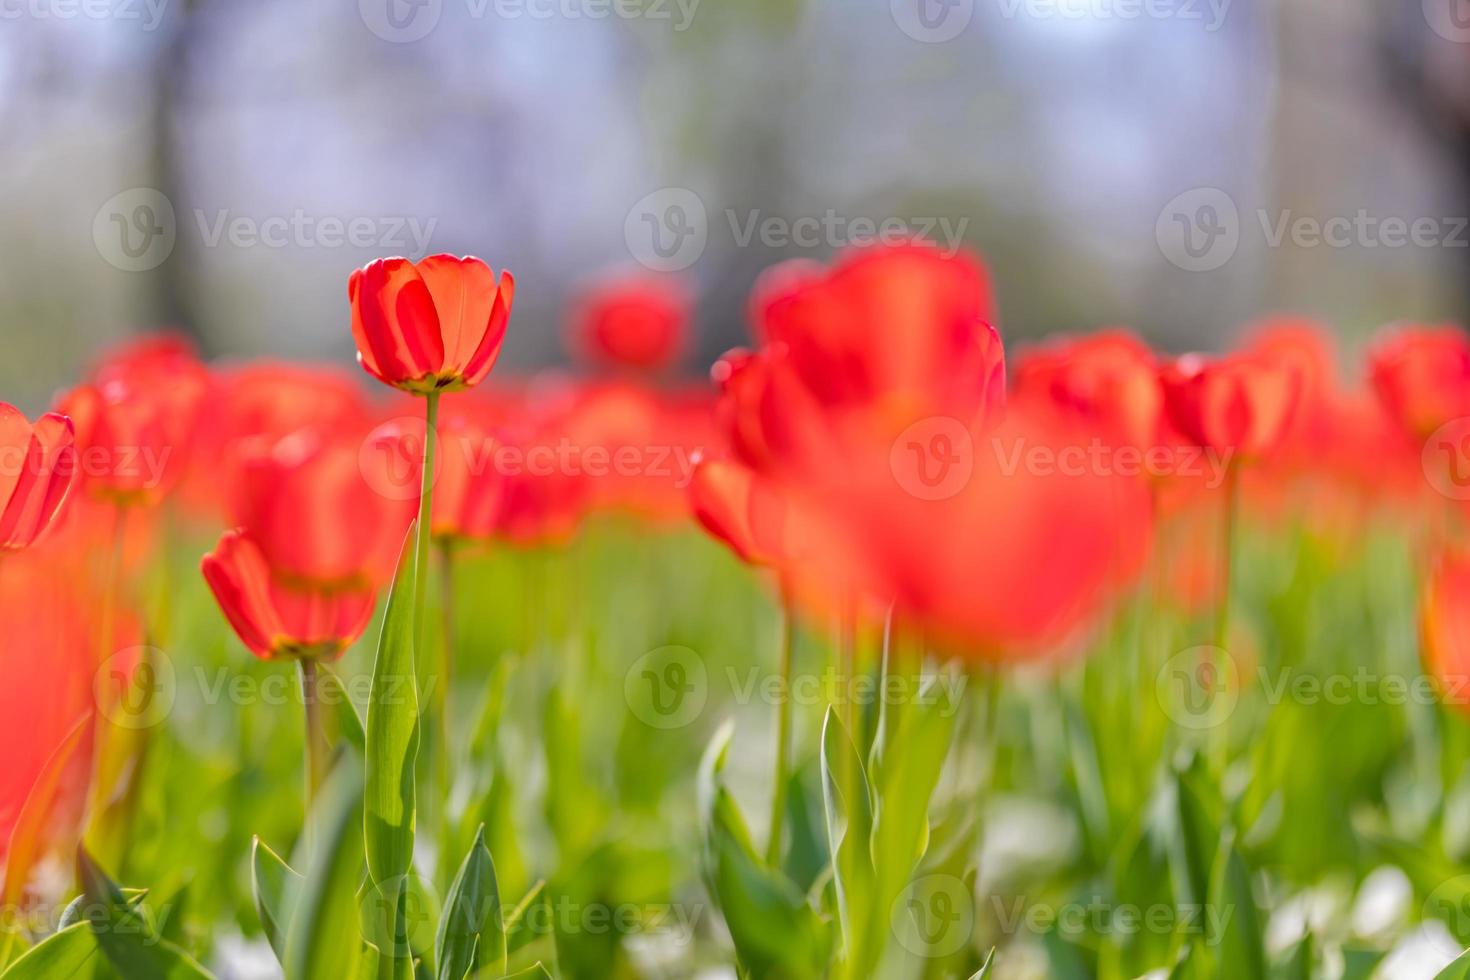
x=441, y=691
x=317, y=748
x=1223, y=673
x=783, y=733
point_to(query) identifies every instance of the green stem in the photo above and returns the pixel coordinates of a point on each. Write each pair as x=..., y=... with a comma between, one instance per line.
x=1223, y=662
x=317, y=748
x=426, y=515
x=783, y=734
x=441, y=692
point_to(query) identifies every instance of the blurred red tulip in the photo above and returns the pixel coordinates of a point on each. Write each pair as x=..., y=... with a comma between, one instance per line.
x=1445, y=624
x=433, y=325
x=743, y=510
x=276, y=616
x=260, y=402
x=637, y=322
x=326, y=511
x=468, y=494
x=37, y=470
x=1110, y=379
x=1422, y=376
x=1025, y=553
x=1241, y=403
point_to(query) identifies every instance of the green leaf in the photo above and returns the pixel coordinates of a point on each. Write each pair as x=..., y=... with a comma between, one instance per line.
x=518, y=932
x=848, y=805
x=777, y=935
x=62, y=954
x=903, y=783
x=1458, y=970
x=534, y=972
x=1200, y=818
x=1240, y=945
x=984, y=970
x=392, y=733
x=324, y=939
x=29, y=832
x=1296, y=963
x=1358, y=963
x=471, y=933
x=125, y=934
x=275, y=887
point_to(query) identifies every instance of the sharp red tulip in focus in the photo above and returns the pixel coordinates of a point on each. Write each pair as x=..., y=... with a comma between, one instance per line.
x=37, y=470
x=1422, y=376
x=432, y=325
x=277, y=617
x=636, y=323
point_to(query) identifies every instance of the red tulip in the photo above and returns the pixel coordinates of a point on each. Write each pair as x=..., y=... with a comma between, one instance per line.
x=855, y=355
x=275, y=616
x=469, y=491
x=1240, y=403
x=1029, y=551
x=37, y=470
x=307, y=503
x=1422, y=376
x=637, y=323
x=1445, y=624
x=743, y=510
x=1109, y=378
x=433, y=325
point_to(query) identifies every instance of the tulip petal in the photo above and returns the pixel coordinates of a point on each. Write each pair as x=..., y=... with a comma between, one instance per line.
x=240, y=580
x=395, y=322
